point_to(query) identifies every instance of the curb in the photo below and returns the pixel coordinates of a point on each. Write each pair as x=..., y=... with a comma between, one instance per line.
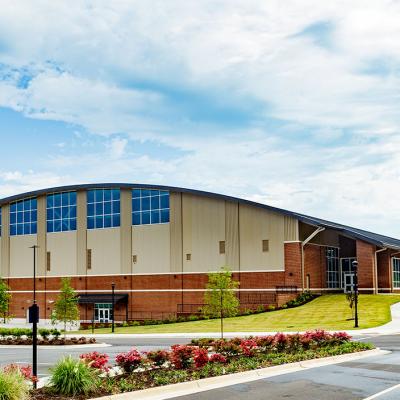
x=55, y=347
x=186, y=388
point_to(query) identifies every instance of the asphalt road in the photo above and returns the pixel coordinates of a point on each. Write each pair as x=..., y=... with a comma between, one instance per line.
x=376, y=377
x=350, y=380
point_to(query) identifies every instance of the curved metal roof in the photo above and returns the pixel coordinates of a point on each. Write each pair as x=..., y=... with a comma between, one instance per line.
x=374, y=238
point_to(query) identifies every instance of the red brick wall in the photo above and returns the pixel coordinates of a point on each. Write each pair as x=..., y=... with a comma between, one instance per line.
x=384, y=270
x=315, y=265
x=365, y=258
x=293, y=264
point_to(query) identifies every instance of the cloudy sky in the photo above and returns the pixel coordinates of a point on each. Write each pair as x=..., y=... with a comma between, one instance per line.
x=290, y=103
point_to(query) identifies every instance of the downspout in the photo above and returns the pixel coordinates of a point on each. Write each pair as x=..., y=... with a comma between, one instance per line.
x=303, y=243
x=376, y=269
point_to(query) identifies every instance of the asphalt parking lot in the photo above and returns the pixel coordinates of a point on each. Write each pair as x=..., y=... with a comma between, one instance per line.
x=348, y=380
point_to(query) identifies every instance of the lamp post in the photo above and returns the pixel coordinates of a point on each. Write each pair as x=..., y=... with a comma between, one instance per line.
x=113, y=302
x=355, y=288
x=34, y=319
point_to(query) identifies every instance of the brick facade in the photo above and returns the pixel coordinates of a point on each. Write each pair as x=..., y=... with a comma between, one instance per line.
x=366, y=261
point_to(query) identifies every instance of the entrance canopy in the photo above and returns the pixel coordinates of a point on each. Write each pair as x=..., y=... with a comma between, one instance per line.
x=102, y=298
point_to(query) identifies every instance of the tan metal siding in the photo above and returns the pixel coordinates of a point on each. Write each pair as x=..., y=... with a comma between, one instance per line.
x=232, y=235
x=151, y=246
x=175, y=225
x=106, y=251
x=63, y=253
x=21, y=255
x=41, y=235
x=291, y=229
x=126, y=231
x=81, y=237
x=203, y=229
x=5, y=241
x=257, y=225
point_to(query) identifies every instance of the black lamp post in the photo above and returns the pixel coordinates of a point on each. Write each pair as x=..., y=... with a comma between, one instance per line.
x=113, y=303
x=355, y=288
x=34, y=319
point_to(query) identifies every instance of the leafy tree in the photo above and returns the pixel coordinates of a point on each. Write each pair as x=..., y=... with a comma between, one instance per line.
x=66, y=308
x=351, y=298
x=5, y=298
x=220, y=299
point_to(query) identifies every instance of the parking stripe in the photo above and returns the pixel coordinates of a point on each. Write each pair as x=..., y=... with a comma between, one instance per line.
x=376, y=395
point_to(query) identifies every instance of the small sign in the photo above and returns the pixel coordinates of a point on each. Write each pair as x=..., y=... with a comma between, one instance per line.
x=33, y=313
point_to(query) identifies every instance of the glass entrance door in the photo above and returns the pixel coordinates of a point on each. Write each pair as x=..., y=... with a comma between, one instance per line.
x=103, y=312
x=348, y=281
x=346, y=268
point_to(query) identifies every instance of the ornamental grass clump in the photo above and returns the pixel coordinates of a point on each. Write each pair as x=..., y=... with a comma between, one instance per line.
x=13, y=384
x=72, y=377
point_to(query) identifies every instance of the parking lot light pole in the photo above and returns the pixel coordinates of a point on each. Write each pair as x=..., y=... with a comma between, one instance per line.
x=34, y=319
x=113, y=306
x=355, y=288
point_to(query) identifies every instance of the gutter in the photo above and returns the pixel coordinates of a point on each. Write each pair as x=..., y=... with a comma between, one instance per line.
x=303, y=243
x=376, y=269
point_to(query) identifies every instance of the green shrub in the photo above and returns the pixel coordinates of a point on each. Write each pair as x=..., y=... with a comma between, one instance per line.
x=13, y=385
x=44, y=333
x=55, y=332
x=271, y=308
x=72, y=377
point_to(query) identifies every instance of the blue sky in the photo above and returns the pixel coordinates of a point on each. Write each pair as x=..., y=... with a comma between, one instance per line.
x=293, y=104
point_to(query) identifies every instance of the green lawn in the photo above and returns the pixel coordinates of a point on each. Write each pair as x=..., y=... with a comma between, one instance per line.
x=325, y=312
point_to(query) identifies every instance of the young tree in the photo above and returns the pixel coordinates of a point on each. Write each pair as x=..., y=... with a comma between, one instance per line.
x=220, y=299
x=5, y=298
x=66, y=308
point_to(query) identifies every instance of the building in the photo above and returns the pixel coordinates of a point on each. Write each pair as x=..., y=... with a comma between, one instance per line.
x=157, y=243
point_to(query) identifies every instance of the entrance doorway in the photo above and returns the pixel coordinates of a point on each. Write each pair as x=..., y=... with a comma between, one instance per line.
x=348, y=283
x=103, y=312
x=346, y=270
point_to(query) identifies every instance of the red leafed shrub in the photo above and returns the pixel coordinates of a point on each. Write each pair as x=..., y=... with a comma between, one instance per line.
x=158, y=357
x=218, y=358
x=182, y=356
x=318, y=335
x=248, y=347
x=280, y=341
x=264, y=343
x=227, y=348
x=341, y=337
x=129, y=361
x=200, y=357
x=26, y=371
x=96, y=360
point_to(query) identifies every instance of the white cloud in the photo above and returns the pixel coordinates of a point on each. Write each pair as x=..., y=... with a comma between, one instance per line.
x=114, y=69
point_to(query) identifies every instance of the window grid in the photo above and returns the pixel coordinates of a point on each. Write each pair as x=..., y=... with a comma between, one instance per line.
x=23, y=217
x=103, y=208
x=332, y=268
x=150, y=206
x=61, y=212
x=396, y=272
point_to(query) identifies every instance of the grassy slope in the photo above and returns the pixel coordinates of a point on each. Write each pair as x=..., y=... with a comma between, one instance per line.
x=326, y=312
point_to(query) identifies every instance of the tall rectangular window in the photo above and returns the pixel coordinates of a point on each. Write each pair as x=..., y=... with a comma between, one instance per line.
x=396, y=272
x=103, y=208
x=150, y=206
x=332, y=268
x=61, y=212
x=23, y=217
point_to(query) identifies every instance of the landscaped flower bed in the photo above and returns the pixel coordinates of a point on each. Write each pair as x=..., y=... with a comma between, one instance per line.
x=201, y=359
x=23, y=336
